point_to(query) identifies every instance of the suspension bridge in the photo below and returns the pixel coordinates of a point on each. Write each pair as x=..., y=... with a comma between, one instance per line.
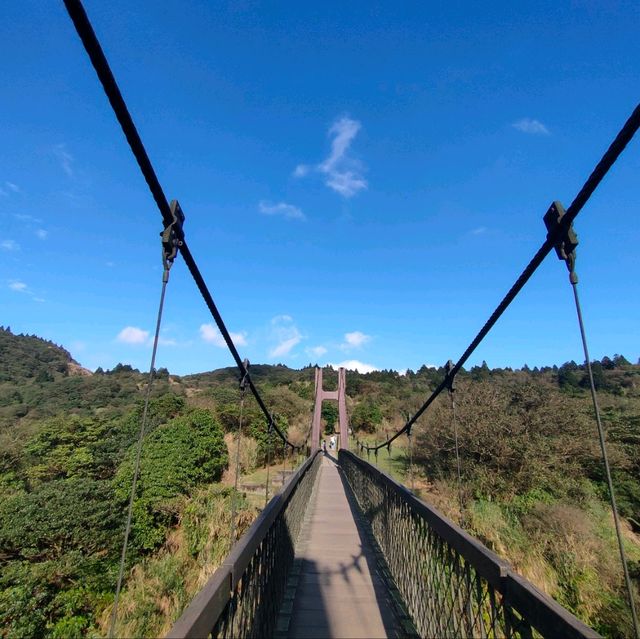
x=343, y=550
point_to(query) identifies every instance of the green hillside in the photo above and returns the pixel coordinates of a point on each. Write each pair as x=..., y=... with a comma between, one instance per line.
x=533, y=487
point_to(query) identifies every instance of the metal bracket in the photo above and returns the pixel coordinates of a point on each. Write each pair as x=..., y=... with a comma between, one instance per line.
x=566, y=244
x=451, y=379
x=172, y=235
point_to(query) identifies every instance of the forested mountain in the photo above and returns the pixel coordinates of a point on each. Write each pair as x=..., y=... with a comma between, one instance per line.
x=533, y=487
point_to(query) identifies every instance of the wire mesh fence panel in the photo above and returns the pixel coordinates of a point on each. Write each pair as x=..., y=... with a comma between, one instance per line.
x=451, y=584
x=243, y=597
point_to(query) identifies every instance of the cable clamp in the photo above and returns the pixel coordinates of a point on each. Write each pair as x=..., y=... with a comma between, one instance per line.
x=450, y=379
x=565, y=245
x=172, y=236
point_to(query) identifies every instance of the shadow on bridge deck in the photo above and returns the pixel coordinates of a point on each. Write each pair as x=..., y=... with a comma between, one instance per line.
x=339, y=592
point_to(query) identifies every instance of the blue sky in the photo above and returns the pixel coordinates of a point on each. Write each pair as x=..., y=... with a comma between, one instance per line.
x=362, y=181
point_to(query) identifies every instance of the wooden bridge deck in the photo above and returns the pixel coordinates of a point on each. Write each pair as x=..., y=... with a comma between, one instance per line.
x=338, y=591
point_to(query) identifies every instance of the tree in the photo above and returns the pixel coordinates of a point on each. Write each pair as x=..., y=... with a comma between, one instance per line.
x=176, y=457
x=330, y=416
x=366, y=416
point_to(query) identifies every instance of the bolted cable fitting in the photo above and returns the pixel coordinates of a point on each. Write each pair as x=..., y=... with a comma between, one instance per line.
x=171, y=237
x=451, y=379
x=566, y=243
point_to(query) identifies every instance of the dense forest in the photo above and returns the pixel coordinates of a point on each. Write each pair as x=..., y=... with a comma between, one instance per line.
x=533, y=486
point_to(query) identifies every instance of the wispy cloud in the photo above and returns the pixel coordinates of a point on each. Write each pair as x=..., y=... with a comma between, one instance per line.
x=529, y=125
x=9, y=245
x=481, y=230
x=285, y=334
x=356, y=339
x=316, y=351
x=210, y=334
x=7, y=187
x=42, y=234
x=343, y=173
x=301, y=170
x=356, y=365
x=18, y=286
x=22, y=217
x=132, y=335
x=65, y=158
x=281, y=208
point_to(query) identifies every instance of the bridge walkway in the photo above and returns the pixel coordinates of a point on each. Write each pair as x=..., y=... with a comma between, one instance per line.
x=338, y=588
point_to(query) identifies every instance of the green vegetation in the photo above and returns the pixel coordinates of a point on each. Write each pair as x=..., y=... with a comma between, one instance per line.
x=533, y=486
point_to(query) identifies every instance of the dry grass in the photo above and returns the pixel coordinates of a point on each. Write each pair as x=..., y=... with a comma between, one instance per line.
x=158, y=589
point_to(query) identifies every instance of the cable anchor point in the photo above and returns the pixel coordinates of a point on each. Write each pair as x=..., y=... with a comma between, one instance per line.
x=566, y=242
x=172, y=237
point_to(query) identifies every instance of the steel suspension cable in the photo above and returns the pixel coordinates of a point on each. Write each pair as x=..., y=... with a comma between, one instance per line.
x=455, y=434
x=92, y=46
x=234, y=497
x=605, y=458
x=618, y=145
x=136, y=467
x=452, y=389
x=266, y=484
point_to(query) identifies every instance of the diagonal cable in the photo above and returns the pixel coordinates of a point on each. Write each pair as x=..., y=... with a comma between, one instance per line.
x=605, y=461
x=83, y=26
x=618, y=145
x=136, y=469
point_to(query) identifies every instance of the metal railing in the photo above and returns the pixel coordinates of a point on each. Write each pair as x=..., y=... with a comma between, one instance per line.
x=243, y=597
x=452, y=585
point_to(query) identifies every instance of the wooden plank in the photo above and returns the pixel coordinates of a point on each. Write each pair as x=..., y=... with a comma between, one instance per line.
x=339, y=593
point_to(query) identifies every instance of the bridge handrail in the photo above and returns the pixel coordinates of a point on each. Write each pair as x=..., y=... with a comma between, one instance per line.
x=219, y=597
x=536, y=609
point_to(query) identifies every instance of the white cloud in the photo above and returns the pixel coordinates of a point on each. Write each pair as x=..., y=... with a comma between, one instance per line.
x=481, y=230
x=9, y=245
x=286, y=335
x=132, y=335
x=355, y=339
x=284, y=347
x=42, y=234
x=301, y=170
x=210, y=333
x=12, y=187
x=529, y=125
x=281, y=208
x=16, y=285
x=347, y=183
x=342, y=172
x=165, y=341
x=355, y=365
x=317, y=351
x=65, y=158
